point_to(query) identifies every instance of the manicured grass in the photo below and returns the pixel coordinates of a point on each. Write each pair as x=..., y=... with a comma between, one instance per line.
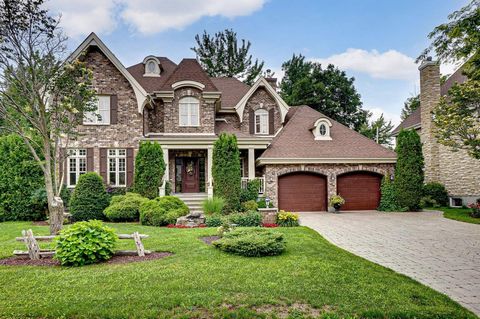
x=200, y=281
x=460, y=214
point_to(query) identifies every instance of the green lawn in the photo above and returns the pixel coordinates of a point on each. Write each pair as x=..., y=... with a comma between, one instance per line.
x=460, y=214
x=200, y=282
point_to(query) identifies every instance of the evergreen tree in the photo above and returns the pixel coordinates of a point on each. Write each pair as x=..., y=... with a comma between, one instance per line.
x=379, y=130
x=89, y=198
x=149, y=169
x=388, y=201
x=410, y=105
x=226, y=171
x=409, y=173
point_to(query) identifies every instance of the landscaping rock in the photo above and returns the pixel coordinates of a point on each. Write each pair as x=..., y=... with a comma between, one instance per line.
x=193, y=219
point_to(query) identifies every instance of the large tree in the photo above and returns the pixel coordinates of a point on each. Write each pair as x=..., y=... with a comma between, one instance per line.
x=410, y=105
x=40, y=94
x=328, y=90
x=223, y=55
x=457, y=116
x=378, y=130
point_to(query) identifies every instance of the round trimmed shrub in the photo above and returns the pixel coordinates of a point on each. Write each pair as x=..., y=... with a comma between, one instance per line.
x=85, y=243
x=124, y=208
x=437, y=192
x=250, y=205
x=89, y=199
x=253, y=242
x=215, y=220
x=162, y=211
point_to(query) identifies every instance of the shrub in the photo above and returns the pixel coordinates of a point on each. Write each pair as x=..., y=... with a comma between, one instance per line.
x=254, y=242
x=162, y=211
x=388, y=200
x=20, y=182
x=85, y=243
x=124, y=208
x=263, y=204
x=409, y=170
x=428, y=201
x=149, y=169
x=437, y=192
x=248, y=219
x=287, y=219
x=215, y=220
x=250, y=205
x=251, y=191
x=226, y=171
x=89, y=199
x=213, y=205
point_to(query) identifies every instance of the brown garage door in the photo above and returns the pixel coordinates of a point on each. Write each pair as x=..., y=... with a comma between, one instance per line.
x=361, y=190
x=302, y=192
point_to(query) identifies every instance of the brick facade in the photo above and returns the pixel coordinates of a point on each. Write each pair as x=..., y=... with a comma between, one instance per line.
x=331, y=171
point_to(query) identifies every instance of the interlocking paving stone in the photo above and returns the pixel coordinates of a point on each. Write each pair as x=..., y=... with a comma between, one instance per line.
x=441, y=253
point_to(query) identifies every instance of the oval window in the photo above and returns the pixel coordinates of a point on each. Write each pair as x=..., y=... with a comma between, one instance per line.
x=322, y=129
x=151, y=67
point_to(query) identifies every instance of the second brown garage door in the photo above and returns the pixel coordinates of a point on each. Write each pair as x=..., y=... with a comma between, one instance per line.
x=361, y=190
x=302, y=191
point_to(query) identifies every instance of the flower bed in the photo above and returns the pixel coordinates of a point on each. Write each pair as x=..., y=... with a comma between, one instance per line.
x=185, y=226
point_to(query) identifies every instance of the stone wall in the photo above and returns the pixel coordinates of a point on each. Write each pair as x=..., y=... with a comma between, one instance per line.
x=331, y=171
x=260, y=99
x=154, y=117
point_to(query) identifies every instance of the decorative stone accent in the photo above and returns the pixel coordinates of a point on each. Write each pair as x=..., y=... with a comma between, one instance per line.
x=269, y=215
x=331, y=171
x=193, y=219
x=261, y=99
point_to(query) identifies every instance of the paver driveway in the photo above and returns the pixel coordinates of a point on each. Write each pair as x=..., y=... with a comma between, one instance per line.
x=438, y=252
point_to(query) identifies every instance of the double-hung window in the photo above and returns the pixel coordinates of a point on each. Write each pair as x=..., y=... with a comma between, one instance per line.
x=261, y=121
x=77, y=165
x=117, y=164
x=189, y=109
x=101, y=115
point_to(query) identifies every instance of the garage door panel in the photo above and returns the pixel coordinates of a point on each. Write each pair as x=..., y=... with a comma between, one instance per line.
x=302, y=192
x=361, y=190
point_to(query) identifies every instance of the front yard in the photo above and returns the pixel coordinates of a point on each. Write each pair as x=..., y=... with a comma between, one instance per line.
x=460, y=214
x=312, y=276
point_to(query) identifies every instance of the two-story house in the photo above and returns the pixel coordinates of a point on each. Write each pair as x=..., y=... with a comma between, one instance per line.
x=301, y=156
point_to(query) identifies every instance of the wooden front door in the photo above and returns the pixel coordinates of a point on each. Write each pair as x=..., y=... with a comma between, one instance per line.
x=190, y=175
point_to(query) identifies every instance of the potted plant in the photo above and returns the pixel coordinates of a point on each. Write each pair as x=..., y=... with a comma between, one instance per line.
x=475, y=209
x=336, y=201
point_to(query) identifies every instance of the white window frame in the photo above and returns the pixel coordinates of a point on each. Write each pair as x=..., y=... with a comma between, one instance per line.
x=78, y=157
x=316, y=131
x=101, y=115
x=117, y=156
x=187, y=106
x=261, y=122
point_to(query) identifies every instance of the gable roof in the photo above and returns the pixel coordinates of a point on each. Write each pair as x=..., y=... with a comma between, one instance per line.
x=94, y=40
x=150, y=83
x=189, y=70
x=296, y=143
x=232, y=90
x=414, y=120
x=262, y=82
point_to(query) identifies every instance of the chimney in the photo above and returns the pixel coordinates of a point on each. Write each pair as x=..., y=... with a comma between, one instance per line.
x=429, y=98
x=272, y=82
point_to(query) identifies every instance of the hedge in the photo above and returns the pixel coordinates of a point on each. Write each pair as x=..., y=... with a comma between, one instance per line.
x=89, y=199
x=149, y=169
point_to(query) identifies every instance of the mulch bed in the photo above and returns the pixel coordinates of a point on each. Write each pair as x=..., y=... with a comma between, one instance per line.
x=209, y=239
x=25, y=261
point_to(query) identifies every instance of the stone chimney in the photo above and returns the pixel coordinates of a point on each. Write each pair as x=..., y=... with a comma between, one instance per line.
x=272, y=82
x=429, y=98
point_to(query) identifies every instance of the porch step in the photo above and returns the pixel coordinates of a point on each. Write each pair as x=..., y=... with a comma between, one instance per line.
x=192, y=200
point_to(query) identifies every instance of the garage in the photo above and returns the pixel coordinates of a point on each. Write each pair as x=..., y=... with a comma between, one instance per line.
x=302, y=191
x=361, y=190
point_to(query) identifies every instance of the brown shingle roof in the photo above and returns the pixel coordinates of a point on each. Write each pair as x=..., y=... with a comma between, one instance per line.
x=232, y=90
x=412, y=120
x=189, y=69
x=296, y=140
x=149, y=83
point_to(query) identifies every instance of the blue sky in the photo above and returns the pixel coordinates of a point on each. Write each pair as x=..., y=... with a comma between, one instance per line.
x=374, y=41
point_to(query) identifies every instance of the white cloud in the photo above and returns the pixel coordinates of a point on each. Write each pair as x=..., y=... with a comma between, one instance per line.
x=377, y=111
x=390, y=64
x=145, y=16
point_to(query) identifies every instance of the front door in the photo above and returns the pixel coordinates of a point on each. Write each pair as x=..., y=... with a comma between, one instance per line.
x=190, y=175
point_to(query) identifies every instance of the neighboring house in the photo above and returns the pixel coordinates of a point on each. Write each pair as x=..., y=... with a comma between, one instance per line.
x=301, y=156
x=459, y=172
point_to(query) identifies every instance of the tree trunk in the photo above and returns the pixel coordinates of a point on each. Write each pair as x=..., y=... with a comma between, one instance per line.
x=55, y=203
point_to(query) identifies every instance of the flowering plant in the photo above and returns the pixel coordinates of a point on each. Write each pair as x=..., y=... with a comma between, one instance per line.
x=287, y=219
x=475, y=209
x=336, y=200
x=268, y=225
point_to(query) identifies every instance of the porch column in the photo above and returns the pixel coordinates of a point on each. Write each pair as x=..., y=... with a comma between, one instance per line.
x=251, y=163
x=166, y=176
x=209, y=172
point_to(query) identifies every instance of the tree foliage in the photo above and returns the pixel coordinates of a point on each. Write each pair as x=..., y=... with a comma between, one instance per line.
x=457, y=117
x=226, y=171
x=409, y=174
x=223, y=55
x=149, y=169
x=327, y=90
x=40, y=93
x=410, y=105
x=378, y=130
x=89, y=199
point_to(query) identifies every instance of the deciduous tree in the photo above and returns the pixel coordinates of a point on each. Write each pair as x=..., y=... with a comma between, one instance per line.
x=410, y=105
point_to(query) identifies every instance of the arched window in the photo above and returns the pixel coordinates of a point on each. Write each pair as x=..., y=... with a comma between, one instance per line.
x=189, y=110
x=152, y=66
x=261, y=121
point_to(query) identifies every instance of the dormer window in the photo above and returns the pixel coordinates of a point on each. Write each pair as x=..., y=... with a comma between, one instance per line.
x=321, y=129
x=261, y=121
x=152, y=66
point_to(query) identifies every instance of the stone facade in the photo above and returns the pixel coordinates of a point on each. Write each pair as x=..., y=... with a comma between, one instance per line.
x=459, y=172
x=154, y=117
x=260, y=99
x=331, y=171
